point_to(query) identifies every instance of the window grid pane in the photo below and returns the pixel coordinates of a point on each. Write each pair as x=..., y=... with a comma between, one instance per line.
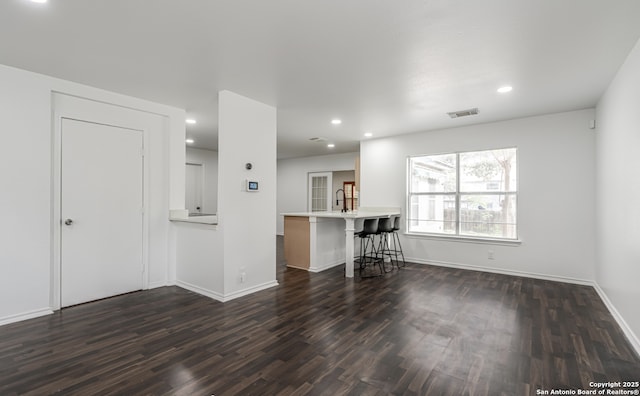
x=433, y=213
x=490, y=170
x=435, y=173
x=318, y=193
x=492, y=216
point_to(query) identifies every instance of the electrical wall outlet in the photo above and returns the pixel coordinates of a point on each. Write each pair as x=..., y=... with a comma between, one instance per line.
x=490, y=255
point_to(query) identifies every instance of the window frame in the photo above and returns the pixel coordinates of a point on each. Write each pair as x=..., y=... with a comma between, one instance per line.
x=457, y=194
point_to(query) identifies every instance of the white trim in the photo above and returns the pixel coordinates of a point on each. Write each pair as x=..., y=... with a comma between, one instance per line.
x=146, y=205
x=326, y=266
x=250, y=290
x=56, y=202
x=155, y=285
x=300, y=268
x=211, y=220
x=200, y=290
x=525, y=274
x=226, y=297
x=460, y=238
x=25, y=315
x=315, y=269
x=626, y=329
x=68, y=106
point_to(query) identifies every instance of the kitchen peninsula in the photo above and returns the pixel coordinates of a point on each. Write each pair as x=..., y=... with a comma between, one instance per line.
x=316, y=241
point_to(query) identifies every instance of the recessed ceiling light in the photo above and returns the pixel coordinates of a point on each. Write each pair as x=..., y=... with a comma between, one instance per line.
x=505, y=89
x=331, y=145
x=190, y=141
x=39, y=1
x=368, y=134
x=190, y=121
x=336, y=121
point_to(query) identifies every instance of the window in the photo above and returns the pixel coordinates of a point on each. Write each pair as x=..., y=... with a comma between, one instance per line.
x=319, y=191
x=470, y=194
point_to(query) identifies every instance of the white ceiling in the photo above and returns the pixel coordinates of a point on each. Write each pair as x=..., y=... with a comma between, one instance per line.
x=388, y=67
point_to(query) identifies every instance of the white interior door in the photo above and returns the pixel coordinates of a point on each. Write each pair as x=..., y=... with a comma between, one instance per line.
x=193, y=187
x=101, y=211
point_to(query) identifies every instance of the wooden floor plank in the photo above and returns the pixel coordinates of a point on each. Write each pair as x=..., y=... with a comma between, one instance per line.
x=420, y=330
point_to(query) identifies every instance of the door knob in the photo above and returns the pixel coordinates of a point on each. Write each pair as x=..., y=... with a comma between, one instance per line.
x=68, y=222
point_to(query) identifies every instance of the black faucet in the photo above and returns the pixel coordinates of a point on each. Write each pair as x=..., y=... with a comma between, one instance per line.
x=344, y=200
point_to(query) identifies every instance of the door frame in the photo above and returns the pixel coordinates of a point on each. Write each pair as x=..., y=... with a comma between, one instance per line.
x=81, y=109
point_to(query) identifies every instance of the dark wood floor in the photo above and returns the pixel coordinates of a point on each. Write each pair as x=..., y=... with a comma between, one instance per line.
x=421, y=330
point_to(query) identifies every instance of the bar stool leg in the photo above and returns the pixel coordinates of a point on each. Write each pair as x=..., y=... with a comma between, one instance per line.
x=368, y=255
x=368, y=252
x=397, y=249
x=383, y=249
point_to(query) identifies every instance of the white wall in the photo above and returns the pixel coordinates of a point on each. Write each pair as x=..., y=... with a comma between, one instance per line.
x=209, y=161
x=556, y=203
x=293, y=179
x=25, y=176
x=200, y=252
x=26, y=180
x=247, y=134
x=618, y=193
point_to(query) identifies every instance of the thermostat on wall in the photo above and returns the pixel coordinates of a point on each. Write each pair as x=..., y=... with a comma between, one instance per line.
x=252, y=185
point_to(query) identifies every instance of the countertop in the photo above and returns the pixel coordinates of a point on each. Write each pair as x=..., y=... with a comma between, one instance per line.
x=198, y=219
x=358, y=214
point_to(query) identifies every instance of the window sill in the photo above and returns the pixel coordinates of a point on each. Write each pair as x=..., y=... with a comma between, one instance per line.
x=457, y=238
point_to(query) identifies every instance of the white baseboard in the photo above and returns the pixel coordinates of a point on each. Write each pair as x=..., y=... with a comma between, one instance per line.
x=250, y=290
x=327, y=266
x=525, y=274
x=631, y=336
x=300, y=268
x=200, y=290
x=25, y=315
x=155, y=285
x=225, y=297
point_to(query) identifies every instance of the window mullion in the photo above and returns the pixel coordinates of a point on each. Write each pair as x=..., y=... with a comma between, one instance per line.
x=458, y=212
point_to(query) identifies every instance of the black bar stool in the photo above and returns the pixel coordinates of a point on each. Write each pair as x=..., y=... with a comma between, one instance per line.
x=368, y=253
x=385, y=227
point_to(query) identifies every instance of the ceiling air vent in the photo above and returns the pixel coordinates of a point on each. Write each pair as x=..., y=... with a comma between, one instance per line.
x=318, y=139
x=463, y=113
